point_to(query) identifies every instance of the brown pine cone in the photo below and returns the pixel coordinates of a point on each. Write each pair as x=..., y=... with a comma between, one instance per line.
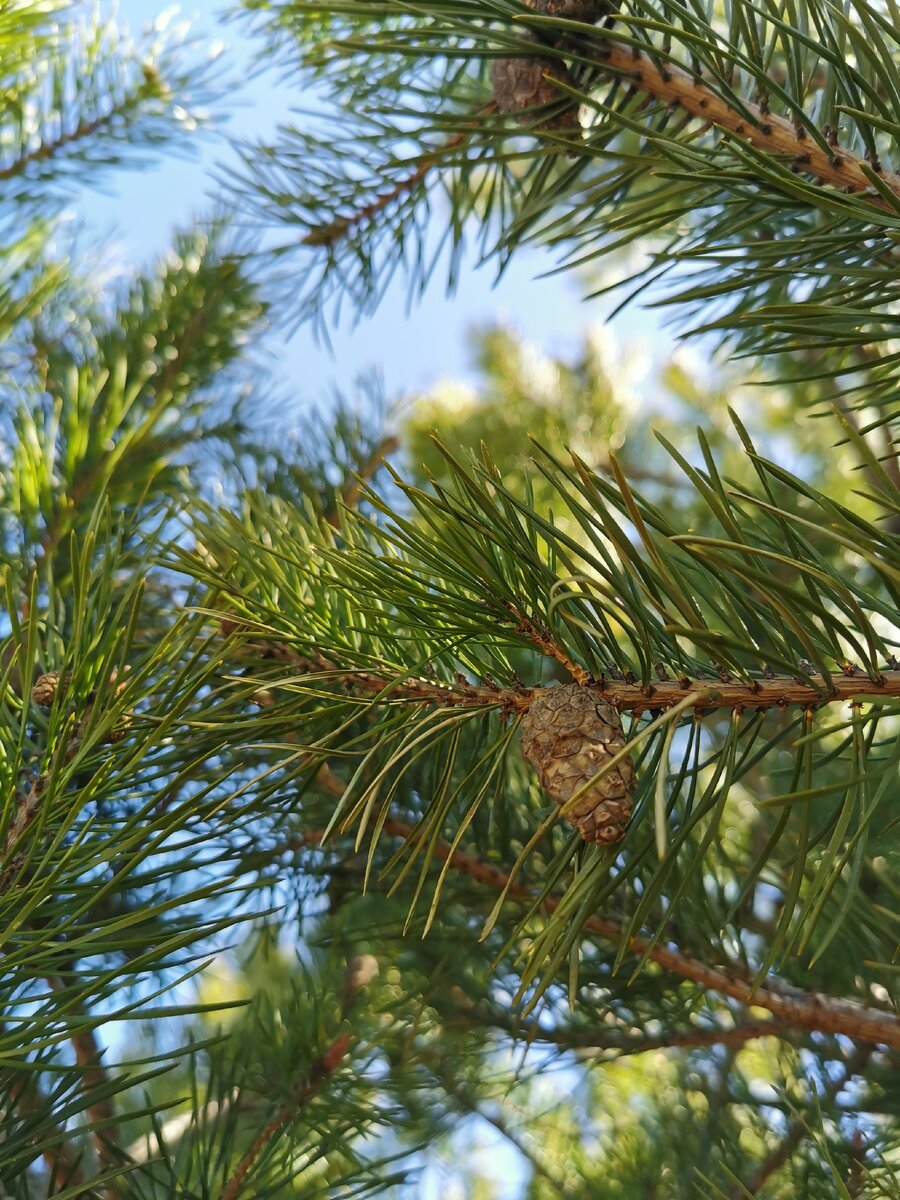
x=46, y=686
x=589, y=11
x=521, y=85
x=568, y=734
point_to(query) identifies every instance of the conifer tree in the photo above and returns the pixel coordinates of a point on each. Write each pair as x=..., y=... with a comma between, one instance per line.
x=363, y=795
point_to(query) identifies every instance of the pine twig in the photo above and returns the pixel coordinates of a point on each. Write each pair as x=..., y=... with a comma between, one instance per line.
x=321, y=1070
x=353, y=487
x=821, y=158
x=88, y=1056
x=856, y=1180
x=59, y=1157
x=48, y=150
x=151, y=87
x=813, y=1011
x=338, y=228
x=775, y=135
x=370, y=683
x=770, y=691
x=543, y=640
x=585, y=1043
x=694, y=1039
x=798, y=1129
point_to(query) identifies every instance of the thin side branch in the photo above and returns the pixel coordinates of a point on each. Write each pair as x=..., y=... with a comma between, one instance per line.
x=586, y=1044
x=798, y=1129
x=60, y=1157
x=152, y=87
x=321, y=1070
x=89, y=1055
x=543, y=640
x=52, y=149
x=336, y=230
x=352, y=489
x=792, y=1006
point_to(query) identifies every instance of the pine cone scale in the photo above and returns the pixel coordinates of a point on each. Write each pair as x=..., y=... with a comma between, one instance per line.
x=569, y=735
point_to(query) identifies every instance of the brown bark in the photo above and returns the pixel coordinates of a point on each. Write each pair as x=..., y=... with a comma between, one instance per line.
x=321, y=1070
x=775, y=135
x=770, y=691
x=795, y=1007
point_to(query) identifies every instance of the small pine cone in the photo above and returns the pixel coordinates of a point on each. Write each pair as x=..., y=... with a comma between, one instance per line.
x=589, y=11
x=119, y=731
x=122, y=727
x=520, y=86
x=568, y=734
x=46, y=687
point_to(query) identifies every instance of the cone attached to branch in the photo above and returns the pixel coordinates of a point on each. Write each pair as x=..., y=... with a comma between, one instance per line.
x=569, y=735
x=47, y=685
x=522, y=85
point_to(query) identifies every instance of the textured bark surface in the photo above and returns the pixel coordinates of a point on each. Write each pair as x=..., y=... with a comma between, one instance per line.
x=570, y=735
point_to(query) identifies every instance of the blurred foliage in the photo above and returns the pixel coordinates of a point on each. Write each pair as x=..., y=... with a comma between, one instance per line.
x=604, y=399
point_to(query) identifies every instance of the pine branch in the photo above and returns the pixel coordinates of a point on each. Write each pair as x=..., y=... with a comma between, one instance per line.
x=694, y=1039
x=814, y=1011
x=587, y=1045
x=810, y=152
x=339, y=228
x=780, y=195
x=353, y=487
x=798, y=1129
x=81, y=91
x=321, y=1070
x=88, y=1056
x=769, y=691
x=46, y=150
x=819, y=157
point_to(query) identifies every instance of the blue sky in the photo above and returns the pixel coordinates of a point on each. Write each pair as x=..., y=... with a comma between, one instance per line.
x=135, y=214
